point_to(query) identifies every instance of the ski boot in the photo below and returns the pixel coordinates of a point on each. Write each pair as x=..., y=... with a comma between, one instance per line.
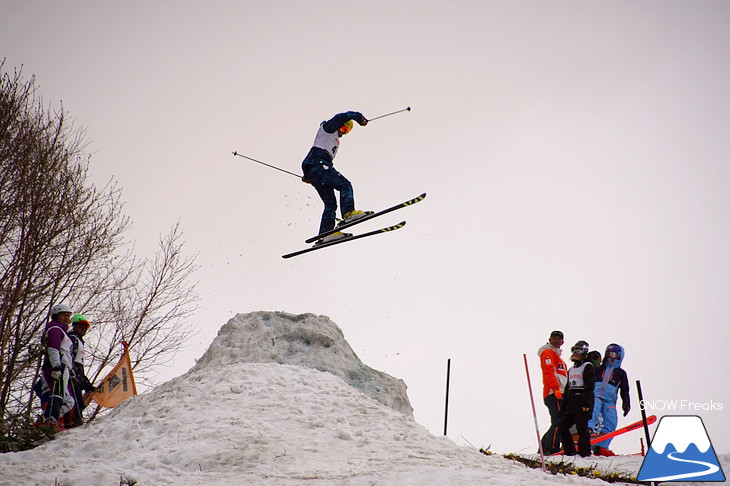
x=333, y=237
x=354, y=215
x=602, y=451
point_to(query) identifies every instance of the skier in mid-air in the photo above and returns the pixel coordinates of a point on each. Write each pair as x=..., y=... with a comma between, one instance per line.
x=318, y=168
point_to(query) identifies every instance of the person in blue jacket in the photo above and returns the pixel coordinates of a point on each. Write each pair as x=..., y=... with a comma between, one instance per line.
x=611, y=381
x=318, y=168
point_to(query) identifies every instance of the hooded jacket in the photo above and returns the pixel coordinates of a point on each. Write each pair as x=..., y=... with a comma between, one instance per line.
x=611, y=380
x=554, y=371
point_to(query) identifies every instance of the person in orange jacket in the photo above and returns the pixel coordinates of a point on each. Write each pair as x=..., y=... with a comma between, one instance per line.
x=554, y=378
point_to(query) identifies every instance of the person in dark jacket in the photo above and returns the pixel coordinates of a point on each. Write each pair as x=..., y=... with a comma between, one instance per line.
x=595, y=358
x=318, y=168
x=80, y=383
x=578, y=402
x=611, y=381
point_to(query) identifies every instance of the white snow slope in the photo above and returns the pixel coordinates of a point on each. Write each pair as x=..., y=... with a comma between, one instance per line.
x=277, y=399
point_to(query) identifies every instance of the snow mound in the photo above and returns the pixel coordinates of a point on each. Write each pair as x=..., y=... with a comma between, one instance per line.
x=305, y=340
x=252, y=424
x=278, y=400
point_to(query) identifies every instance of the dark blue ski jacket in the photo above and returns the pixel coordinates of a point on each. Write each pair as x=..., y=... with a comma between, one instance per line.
x=612, y=380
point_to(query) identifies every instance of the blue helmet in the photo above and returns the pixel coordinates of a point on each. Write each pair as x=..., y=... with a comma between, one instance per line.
x=613, y=352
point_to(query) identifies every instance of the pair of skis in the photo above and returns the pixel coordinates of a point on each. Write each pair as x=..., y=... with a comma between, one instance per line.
x=342, y=226
x=600, y=438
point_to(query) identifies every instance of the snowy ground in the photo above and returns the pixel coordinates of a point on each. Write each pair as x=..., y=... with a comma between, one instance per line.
x=250, y=413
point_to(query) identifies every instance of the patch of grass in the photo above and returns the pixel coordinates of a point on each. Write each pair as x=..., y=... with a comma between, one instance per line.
x=568, y=468
x=486, y=451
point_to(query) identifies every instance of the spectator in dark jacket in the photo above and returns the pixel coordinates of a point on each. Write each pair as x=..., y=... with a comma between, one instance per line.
x=80, y=382
x=578, y=402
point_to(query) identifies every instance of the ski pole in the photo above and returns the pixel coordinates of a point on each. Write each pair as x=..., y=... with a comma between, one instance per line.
x=56, y=394
x=268, y=165
x=388, y=114
x=534, y=415
x=446, y=408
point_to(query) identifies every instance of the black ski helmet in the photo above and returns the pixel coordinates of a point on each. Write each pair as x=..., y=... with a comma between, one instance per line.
x=581, y=347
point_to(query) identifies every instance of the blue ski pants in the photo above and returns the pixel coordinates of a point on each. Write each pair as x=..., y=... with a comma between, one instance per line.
x=326, y=180
x=605, y=418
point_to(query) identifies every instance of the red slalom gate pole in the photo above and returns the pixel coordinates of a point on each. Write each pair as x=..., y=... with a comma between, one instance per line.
x=534, y=415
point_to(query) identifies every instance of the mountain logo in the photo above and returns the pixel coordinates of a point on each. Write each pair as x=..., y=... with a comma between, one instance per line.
x=681, y=451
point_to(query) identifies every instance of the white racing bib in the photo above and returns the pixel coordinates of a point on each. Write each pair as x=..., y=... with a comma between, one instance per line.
x=329, y=142
x=575, y=377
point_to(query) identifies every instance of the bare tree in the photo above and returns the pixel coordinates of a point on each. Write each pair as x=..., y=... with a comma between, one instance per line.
x=61, y=240
x=152, y=314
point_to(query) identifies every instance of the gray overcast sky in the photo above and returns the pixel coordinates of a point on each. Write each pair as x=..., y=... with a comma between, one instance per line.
x=574, y=153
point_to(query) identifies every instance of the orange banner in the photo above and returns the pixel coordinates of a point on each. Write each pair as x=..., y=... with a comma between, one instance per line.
x=118, y=385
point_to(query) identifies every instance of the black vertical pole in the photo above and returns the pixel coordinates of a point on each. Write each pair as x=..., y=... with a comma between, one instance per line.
x=643, y=414
x=643, y=417
x=446, y=412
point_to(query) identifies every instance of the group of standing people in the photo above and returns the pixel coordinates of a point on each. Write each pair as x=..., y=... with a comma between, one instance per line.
x=583, y=397
x=63, y=380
